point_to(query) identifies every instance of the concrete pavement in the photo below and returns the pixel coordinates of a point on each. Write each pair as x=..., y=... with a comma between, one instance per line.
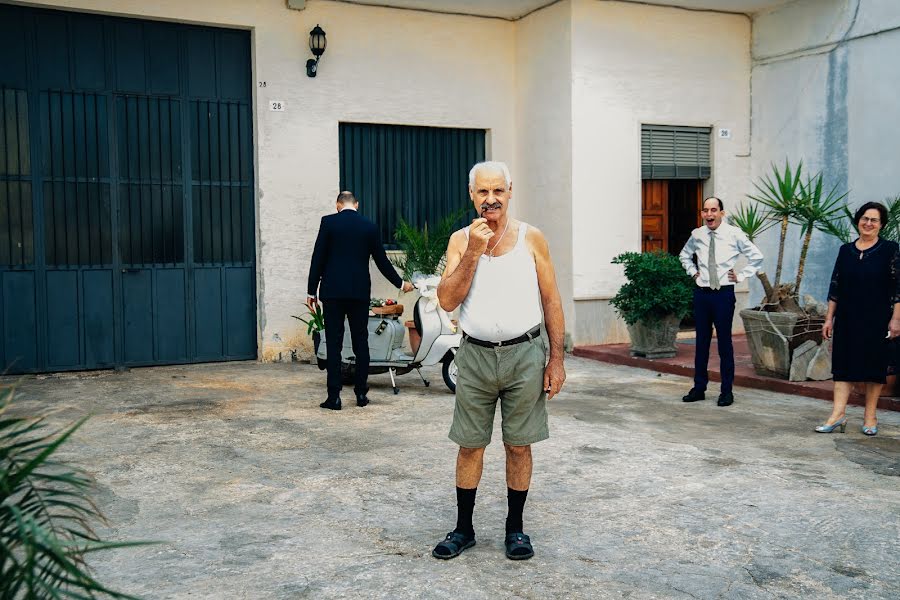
x=258, y=493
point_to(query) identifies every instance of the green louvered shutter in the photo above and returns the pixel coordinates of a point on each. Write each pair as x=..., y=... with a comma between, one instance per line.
x=418, y=173
x=669, y=152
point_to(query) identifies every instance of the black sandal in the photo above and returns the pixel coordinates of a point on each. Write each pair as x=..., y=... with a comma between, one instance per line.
x=518, y=546
x=453, y=545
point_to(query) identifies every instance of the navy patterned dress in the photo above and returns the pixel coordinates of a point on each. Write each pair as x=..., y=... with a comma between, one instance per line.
x=865, y=285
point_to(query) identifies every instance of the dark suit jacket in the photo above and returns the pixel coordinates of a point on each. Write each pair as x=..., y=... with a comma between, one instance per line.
x=340, y=259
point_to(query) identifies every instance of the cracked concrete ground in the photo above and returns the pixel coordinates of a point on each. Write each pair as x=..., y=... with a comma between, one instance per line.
x=258, y=493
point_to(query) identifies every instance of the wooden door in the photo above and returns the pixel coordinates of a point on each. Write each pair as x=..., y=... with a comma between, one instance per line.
x=654, y=215
x=685, y=200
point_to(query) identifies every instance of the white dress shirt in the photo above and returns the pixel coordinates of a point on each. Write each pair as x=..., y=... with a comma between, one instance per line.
x=731, y=243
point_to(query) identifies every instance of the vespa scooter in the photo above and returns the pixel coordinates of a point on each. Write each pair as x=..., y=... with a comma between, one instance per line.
x=440, y=341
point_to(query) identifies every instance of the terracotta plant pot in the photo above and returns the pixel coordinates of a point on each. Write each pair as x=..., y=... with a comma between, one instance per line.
x=414, y=338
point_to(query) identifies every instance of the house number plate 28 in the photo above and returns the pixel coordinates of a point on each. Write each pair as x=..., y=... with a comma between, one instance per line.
x=276, y=105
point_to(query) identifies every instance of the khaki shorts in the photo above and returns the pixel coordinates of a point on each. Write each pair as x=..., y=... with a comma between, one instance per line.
x=514, y=375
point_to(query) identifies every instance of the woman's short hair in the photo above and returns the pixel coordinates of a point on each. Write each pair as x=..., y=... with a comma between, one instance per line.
x=882, y=211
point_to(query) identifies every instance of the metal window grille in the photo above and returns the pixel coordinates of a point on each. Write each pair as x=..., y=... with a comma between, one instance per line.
x=16, y=223
x=417, y=173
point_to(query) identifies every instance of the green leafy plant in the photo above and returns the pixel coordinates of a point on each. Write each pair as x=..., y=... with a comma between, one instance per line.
x=657, y=287
x=46, y=514
x=424, y=250
x=314, y=321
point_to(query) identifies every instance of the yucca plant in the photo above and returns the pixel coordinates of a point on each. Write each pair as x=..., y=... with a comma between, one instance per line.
x=754, y=221
x=816, y=210
x=786, y=199
x=841, y=227
x=46, y=514
x=891, y=229
x=781, y=197
x=424, y=250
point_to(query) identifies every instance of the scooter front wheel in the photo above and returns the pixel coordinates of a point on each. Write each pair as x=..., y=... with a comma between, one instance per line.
x=450, y=371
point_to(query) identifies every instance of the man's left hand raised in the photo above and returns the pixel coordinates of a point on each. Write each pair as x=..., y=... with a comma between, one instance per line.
x=554, y=377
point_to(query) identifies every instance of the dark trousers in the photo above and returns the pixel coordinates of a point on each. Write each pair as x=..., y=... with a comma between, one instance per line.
x=714, y=307
x=357, y=314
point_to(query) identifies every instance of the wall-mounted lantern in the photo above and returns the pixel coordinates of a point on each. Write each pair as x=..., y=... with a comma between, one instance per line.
x=317, y=43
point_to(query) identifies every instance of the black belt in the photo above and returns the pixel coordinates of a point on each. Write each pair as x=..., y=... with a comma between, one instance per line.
x=709, y=290
x=518, y=340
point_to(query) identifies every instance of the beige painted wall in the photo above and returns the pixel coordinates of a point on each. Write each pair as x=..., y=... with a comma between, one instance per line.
x=563, y=93
x=382, y=65
x=542, y=174
x=634, y=64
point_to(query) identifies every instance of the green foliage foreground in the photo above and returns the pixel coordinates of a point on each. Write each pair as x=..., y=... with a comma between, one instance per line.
x=46, y=514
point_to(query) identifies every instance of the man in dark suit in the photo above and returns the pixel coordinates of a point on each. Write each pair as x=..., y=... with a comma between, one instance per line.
x=339, y=276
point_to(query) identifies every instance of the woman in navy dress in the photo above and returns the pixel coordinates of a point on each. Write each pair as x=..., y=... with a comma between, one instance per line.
x=863, y=313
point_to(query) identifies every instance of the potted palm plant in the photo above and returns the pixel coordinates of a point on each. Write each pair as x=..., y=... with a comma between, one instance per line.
x=779, y=324
x=654, y=299
x=423, y=250
x=423, y=255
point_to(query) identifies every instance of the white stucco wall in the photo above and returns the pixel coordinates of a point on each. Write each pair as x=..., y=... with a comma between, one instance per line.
x=825, y=85
x=542, y=177
x=634, y=64
x=381, y=65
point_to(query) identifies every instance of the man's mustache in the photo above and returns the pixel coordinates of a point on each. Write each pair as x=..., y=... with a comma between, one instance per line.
x=487, y=205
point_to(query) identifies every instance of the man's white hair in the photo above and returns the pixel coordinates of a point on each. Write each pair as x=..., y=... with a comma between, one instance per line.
x=494, y=166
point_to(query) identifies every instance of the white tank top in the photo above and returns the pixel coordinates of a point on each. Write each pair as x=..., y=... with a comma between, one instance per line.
x=504, y=300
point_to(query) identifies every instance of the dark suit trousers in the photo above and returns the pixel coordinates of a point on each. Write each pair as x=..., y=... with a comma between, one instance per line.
x=714, y=308
x=357, y=314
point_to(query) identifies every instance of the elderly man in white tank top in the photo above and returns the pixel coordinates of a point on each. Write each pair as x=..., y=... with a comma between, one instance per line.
x=500, y=275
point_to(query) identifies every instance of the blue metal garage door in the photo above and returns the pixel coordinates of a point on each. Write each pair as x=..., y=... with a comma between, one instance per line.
x=126, y=193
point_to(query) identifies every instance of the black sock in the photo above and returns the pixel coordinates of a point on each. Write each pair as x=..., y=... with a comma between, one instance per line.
x=516, y=501
x=465, y=505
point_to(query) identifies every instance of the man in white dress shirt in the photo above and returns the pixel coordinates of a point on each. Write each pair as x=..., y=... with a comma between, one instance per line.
x=717, y=246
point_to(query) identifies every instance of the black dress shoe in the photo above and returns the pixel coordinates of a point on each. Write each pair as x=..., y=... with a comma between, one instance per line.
x=361, y=400
x=693, y=396
x=332, y=404
x=726, y=399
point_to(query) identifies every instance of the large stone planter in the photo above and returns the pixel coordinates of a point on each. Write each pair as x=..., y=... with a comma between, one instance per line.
x=773, y=336
x=654, y=340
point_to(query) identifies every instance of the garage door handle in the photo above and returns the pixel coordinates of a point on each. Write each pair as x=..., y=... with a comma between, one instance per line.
x=131, y=270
